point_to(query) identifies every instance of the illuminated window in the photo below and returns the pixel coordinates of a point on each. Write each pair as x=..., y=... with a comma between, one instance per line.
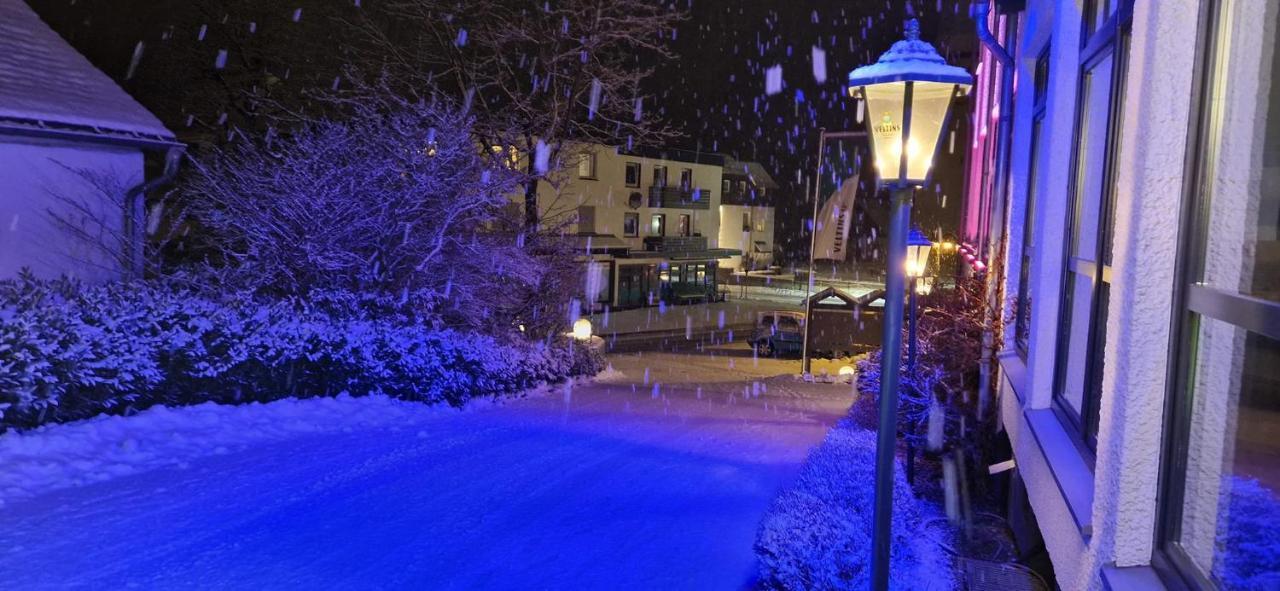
x=587, y=166
x=684, y=227
x=658, y=225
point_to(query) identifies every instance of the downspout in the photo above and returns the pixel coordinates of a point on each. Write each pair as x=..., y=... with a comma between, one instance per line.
x=995, y=268
x=135, y=226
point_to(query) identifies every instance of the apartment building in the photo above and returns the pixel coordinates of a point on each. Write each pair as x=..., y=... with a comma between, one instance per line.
x=649, y=223
x=746, y=214
x=1135, y=243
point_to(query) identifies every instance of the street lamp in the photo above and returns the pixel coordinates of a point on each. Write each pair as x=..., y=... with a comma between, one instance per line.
x=908, y=94
x=918, y=246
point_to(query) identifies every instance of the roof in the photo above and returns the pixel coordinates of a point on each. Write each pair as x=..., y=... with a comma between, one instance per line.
x=44, y=82
x=754, y=170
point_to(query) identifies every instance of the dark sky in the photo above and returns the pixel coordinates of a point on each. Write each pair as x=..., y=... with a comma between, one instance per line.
x=714, y=90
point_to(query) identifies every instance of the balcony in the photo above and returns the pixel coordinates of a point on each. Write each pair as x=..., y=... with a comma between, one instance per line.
x=671, y=244
x=679, y=197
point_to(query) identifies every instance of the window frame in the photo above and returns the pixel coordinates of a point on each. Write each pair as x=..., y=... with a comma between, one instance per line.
x=588, y=158
x=639, y=170
x=1022, y=310
x=1111, y=40
x=659, y=181
x=635, y=229
x=684, y=225
x=661, y=223
x=1192, y=303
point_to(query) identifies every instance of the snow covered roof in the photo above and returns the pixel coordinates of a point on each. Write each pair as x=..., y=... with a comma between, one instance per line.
x=755, y=170
x=46, y=83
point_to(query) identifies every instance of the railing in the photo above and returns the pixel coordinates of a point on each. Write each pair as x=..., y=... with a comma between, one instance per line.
x=675, y=243
x=679, y=197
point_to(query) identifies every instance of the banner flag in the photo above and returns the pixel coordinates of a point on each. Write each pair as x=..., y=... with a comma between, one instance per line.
x=832, y=225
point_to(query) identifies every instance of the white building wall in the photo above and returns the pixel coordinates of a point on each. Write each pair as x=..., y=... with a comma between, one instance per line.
x=36, y=176
x=1091, y=519
x=608, y=193
x=732, y=235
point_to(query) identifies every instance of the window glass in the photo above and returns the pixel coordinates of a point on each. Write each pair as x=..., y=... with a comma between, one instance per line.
x=587, y=166
x=684, y=225
x=1230, y=510
x=598, y=284
x=633, y=174
x=686, y=178
x=1222, y=466
x=658, y=225
x=630, y=224
x=746, y=221
x=659, y=176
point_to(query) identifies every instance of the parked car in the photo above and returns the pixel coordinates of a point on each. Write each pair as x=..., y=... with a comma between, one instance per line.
x=778, y=333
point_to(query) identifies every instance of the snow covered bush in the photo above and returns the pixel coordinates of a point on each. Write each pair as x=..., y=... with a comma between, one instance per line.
x=817, y=534
x=389, y=196
x=1248, y=556
x=68, y=352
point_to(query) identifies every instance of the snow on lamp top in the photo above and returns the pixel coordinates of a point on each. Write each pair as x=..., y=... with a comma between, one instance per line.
x=908, y=93
x=910, y=60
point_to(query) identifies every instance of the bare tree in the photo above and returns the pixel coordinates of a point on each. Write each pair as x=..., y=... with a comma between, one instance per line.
x=541, y=77
x=392, y=200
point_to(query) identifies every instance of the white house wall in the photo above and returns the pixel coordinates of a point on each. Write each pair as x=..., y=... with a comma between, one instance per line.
x=1110, y=518
x=35, y=177
x=732, y=236
x=608, y=194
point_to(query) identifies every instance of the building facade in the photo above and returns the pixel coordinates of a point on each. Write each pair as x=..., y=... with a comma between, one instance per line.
x=72, y=155
x=746, y=215
x=649, y=224
x=1135, y=252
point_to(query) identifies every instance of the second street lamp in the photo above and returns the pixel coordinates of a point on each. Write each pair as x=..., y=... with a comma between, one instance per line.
x=918, y=246
x=908, y=94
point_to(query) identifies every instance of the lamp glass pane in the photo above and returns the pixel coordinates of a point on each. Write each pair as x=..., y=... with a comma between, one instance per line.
x=929, y=104
x=884, y=120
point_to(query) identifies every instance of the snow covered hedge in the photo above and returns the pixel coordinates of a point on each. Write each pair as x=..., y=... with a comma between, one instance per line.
x=68, y=352
x=817, y=534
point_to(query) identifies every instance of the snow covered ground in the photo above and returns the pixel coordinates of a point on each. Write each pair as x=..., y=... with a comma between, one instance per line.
x=654, y=476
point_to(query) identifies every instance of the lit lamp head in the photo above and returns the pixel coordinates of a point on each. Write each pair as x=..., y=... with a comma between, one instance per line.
x=908, y=94
x=918, y=246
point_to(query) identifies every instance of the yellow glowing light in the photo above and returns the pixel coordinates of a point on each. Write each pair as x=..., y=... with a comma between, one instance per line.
x=582, y=329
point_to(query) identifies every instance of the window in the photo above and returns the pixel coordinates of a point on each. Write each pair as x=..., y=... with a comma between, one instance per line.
x=684, y=229
x=724, y=186
x=1082, y=311
x=686, y=178
x=587, y=166
x=1220, y=492
x=658, y=225
x=746, y=221
x=1022, y=306
x=508, y=157
x=586, y=219
x=599, y=282
x=630, y=224
x=659, y=176
x=633, y=174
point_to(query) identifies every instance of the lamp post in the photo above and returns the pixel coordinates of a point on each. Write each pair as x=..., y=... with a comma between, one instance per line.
x=918, y=246
x=908, y=94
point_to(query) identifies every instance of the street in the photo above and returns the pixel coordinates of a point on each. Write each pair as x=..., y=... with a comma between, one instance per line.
x=654, y=476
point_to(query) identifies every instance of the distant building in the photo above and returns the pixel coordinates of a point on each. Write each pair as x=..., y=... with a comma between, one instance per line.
x=1136, y=245
x=651, y=223
x=746, y=214
x=72, y=147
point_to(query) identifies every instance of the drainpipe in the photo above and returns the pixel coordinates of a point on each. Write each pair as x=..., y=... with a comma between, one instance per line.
x=995, y=268
x=135, y=226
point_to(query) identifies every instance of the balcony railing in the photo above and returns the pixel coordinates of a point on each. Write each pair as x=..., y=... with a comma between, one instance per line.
x=675, y=243
x=679, y=197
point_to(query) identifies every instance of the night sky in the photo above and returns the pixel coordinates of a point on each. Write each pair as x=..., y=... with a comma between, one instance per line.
x=164, y=52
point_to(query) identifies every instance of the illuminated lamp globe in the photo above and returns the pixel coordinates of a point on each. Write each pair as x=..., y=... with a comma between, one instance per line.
x=908, y=94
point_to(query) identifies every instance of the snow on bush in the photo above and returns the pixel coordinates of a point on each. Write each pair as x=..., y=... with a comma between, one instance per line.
x=69, y=352
x=1248, y=556
x=107, y=447
x=817, y=534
